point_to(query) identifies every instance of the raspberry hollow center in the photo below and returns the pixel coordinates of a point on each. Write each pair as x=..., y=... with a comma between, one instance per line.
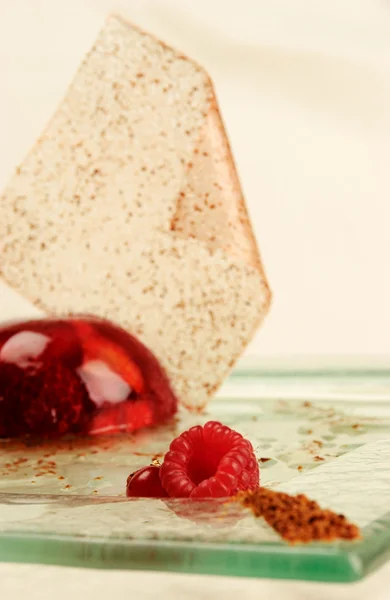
x=202, y=465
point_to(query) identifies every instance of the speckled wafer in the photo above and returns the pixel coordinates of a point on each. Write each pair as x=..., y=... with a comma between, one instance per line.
x=129, y=207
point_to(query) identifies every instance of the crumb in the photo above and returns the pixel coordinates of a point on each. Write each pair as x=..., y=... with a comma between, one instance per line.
x=297, y=518
x=159, y=455
x=141, y=453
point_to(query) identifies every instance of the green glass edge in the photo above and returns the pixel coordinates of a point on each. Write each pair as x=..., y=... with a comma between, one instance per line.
x=314, y=563
x=375, y=550
x=344, y=563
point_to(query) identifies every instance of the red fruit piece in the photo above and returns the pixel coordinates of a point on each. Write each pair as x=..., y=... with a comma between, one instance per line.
x=145, y=483
x=78, y=375
x=151, y=400
x=46, y=402
x=56, y=402
x=209, y=462
x=98, y=347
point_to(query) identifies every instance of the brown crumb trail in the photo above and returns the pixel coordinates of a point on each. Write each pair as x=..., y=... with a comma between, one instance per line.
x=297, y=518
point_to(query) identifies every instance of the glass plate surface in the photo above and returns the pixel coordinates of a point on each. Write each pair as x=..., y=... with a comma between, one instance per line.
x=64, y=503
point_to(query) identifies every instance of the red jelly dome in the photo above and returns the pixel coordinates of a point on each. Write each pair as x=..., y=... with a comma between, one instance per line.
x=78, y=375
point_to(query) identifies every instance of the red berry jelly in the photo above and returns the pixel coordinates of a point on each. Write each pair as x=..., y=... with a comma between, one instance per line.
x=78, y=375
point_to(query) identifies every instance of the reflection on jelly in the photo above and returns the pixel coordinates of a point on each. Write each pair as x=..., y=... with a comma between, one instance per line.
x=23, y=348
x=78, y=375
x=102, y=383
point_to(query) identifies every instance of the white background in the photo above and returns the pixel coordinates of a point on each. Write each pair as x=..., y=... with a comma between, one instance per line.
x=304, y=88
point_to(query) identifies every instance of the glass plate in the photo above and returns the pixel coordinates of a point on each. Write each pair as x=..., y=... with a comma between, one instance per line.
x=64, y=503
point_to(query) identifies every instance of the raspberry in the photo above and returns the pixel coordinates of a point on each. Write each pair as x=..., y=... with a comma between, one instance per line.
x=209, y=462
x=145, y=483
